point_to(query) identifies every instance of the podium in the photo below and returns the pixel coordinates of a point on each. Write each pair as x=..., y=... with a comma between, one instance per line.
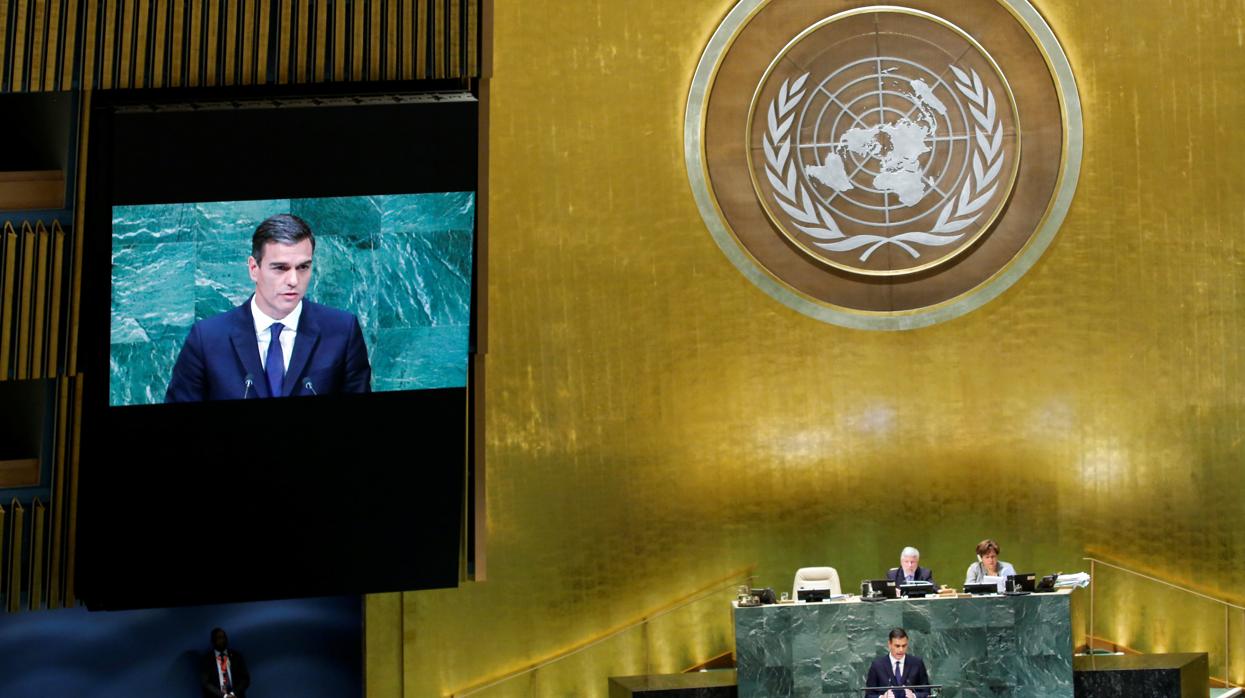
x=1019, y=646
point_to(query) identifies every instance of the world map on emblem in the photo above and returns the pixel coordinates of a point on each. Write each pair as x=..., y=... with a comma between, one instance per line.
x=891, y=154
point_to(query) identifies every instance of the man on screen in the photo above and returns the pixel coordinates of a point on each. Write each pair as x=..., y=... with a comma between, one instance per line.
x=276, y=343
x=889, y=675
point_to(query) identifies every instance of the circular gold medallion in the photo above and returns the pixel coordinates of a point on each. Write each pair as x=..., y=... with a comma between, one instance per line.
x=867, y=165
x=878, y=147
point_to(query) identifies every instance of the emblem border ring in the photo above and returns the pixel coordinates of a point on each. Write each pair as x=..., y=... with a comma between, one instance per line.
x=1056, y=210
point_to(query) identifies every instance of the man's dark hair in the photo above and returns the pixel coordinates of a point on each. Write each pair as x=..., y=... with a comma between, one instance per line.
x=897, y=634
x=285, y=228
x=212, y=635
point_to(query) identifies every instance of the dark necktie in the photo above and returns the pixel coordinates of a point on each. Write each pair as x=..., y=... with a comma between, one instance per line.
x=276, y=361
x=898, y=675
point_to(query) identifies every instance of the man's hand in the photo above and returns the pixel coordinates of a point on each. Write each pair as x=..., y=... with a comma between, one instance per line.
x=907, y=692
x=889, y=694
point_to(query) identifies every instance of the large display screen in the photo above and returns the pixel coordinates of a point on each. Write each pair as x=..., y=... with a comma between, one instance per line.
x=381, y=287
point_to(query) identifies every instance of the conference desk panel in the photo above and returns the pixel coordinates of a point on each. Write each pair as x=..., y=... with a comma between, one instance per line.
x=1016, y=646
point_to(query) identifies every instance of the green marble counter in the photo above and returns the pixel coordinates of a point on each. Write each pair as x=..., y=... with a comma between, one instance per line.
x=1184, y=675
x=983, y=646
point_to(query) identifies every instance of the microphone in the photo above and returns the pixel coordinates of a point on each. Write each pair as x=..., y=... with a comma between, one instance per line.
x=249, y=382
x=307, y=384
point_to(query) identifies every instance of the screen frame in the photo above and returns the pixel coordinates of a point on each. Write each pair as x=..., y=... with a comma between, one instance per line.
x=147, y=517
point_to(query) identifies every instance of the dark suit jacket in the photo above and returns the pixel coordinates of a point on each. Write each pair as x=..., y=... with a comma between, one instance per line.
x=221, y=352
x=210, y=675
x=923, y=574
x=882, y=673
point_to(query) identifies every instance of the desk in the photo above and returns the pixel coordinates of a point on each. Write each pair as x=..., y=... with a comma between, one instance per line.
x=1143, y=676
x=1018, y=646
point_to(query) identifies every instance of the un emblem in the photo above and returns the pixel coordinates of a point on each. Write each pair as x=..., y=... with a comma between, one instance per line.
x=873, y=170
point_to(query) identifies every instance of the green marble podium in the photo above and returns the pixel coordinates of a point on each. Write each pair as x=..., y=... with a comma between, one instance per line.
x=1016, y=646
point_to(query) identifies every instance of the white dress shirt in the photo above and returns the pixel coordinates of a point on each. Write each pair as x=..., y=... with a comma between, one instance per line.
x=263, y=332
x=220, y=674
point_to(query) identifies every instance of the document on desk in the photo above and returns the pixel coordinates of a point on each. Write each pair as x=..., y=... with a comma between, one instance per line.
x=1000, y=582
x=1072, y=581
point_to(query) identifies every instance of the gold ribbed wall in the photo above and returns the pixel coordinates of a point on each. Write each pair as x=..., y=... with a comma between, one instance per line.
x=34, y=288
x=654, y=421
x=36, y=285
x=103, y=44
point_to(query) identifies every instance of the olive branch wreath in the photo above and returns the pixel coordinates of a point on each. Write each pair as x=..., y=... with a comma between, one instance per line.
x=813, y=218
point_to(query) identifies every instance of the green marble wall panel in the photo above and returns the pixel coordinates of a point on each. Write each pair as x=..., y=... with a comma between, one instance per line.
x=133, y=225
x=401, y=263
x=423, y=272
x=990, y=646
x=352, y=218
x=420, y=357
x=426, y=278
x=345, y=275
x=222, y=234
x=157, y=291
x=231, y=223
x=428, y=213
x=151, y=314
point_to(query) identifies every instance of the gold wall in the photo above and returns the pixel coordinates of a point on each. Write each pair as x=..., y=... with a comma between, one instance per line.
x=655, y=422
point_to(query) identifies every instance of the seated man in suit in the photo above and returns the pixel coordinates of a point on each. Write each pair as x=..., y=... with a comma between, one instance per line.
x=889, y=674
x=276, y=343
x=909, y=569
x=224, y=673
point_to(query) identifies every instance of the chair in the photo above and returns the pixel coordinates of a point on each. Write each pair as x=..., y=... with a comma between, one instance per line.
x=816, y=578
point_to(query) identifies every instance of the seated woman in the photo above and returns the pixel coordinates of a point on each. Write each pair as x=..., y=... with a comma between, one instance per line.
x=988, y=564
